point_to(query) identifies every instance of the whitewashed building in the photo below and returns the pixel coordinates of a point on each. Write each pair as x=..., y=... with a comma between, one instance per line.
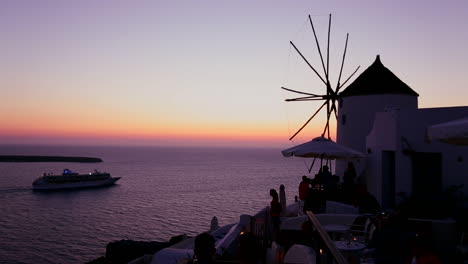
x=379, y=116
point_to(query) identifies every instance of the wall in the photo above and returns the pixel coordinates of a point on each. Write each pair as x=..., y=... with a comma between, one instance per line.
x=392, y=126
x=360, y=112
x=382, y=137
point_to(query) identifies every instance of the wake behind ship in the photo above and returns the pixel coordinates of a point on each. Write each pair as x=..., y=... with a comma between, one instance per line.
x=72, y=180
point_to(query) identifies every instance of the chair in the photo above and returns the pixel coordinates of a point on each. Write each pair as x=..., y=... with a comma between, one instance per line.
x=300, y=254
x=361, y=232
x=462, y=247
x=274, y=254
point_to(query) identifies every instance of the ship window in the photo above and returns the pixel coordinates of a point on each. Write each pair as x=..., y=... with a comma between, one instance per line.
x=343, y=119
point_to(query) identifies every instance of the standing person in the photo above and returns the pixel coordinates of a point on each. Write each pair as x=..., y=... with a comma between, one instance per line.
x=326, y=177
x=282, y=199
x=349, y=174
x=348, y=180
x=303, y=192
x=275, y=212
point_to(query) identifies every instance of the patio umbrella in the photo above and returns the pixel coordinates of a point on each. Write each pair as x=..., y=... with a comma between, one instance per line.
x=321, y=147
x=454, y=132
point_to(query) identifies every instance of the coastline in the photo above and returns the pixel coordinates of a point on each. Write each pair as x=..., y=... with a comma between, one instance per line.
x=20, y=158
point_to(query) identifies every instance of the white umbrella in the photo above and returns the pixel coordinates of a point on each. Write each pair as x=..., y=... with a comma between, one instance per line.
x=454, y=132
x=321, y=147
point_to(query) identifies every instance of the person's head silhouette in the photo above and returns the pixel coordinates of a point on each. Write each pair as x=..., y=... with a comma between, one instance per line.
x=274, y=194
x=204, y=248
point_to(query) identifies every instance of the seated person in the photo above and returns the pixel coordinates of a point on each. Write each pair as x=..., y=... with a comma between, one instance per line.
x=204, y=250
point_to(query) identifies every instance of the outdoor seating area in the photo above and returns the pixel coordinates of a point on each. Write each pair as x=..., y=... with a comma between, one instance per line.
x=349, y=233
x=362, y=238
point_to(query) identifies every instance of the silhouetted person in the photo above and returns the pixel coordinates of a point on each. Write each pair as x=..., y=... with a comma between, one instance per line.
x=349, y=174
x=275, y=212
x=326, y=179
x=304, y=187
x=282, y=199
x=315, y=200
x=365, y=201
x=214, y=224
x=326, y=176
x=204, y=249
x=392, y=241
x=333, y=190
x=248, y=249
x=422, y=250
x=318, y=179
x=348, y=181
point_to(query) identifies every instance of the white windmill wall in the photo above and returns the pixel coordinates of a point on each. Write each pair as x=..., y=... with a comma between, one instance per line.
x=384, y=123
x=356, y=117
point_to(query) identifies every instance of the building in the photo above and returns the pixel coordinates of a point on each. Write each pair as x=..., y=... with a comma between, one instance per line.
x=379, y=116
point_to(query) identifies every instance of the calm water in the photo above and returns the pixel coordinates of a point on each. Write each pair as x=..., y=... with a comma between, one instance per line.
x=163, y=192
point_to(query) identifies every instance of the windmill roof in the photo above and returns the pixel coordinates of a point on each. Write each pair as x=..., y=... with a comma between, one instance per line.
x=377, y=79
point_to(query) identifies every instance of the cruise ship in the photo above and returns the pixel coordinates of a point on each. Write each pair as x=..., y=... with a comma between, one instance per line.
x=71, y=180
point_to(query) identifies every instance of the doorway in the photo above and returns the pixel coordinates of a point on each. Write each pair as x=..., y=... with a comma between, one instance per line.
x=427, y=174
x=388, y=179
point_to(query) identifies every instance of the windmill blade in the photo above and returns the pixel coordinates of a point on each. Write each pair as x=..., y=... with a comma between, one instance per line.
x=342, y=63
x=299, y=92
x=312, y=165
x=318, y=47
x=307, y=62
x=307, y=98
x=300, y=129
x=328, y=47
x=328, y=116
x=337, y=90
x=326, y=127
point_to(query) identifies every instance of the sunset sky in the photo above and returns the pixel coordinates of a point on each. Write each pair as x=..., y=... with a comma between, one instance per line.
x=170, y=72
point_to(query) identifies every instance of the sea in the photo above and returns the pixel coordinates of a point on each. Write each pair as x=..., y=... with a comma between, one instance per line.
x=163, y=192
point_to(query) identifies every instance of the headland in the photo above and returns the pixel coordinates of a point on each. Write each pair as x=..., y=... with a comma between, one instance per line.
x=20, y=158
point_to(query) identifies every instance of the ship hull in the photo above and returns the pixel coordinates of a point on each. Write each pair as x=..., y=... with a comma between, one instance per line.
x=45, y=186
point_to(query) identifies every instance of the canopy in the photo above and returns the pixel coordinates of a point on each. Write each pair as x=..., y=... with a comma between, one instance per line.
x=454, y=132
x=321, y=147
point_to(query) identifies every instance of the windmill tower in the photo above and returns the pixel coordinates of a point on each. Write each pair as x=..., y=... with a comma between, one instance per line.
x=375, y=90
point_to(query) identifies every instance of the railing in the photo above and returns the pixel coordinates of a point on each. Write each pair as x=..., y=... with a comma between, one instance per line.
x=337, y=256
x=261, y=227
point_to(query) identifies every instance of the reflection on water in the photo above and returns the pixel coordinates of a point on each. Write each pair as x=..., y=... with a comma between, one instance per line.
x=163, y=192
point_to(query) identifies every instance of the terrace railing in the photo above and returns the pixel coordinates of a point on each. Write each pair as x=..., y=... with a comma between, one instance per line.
x=327, y=242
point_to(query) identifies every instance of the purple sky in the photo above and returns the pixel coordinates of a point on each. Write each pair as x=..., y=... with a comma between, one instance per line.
x=143, y=69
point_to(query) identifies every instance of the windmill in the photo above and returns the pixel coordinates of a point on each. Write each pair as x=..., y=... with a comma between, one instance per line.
x=331, y=95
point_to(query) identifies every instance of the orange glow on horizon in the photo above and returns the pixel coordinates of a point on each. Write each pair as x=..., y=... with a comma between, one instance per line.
x=228, y=133
x=124, y=127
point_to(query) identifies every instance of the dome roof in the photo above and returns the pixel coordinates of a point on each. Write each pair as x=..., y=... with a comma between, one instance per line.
x=377, y=79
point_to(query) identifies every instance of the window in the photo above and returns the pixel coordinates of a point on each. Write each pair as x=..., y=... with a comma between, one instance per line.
x=343, y=119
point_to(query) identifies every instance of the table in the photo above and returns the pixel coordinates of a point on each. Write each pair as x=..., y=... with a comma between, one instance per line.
x=350, y=250
x=334, y=230
x=350, y=246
